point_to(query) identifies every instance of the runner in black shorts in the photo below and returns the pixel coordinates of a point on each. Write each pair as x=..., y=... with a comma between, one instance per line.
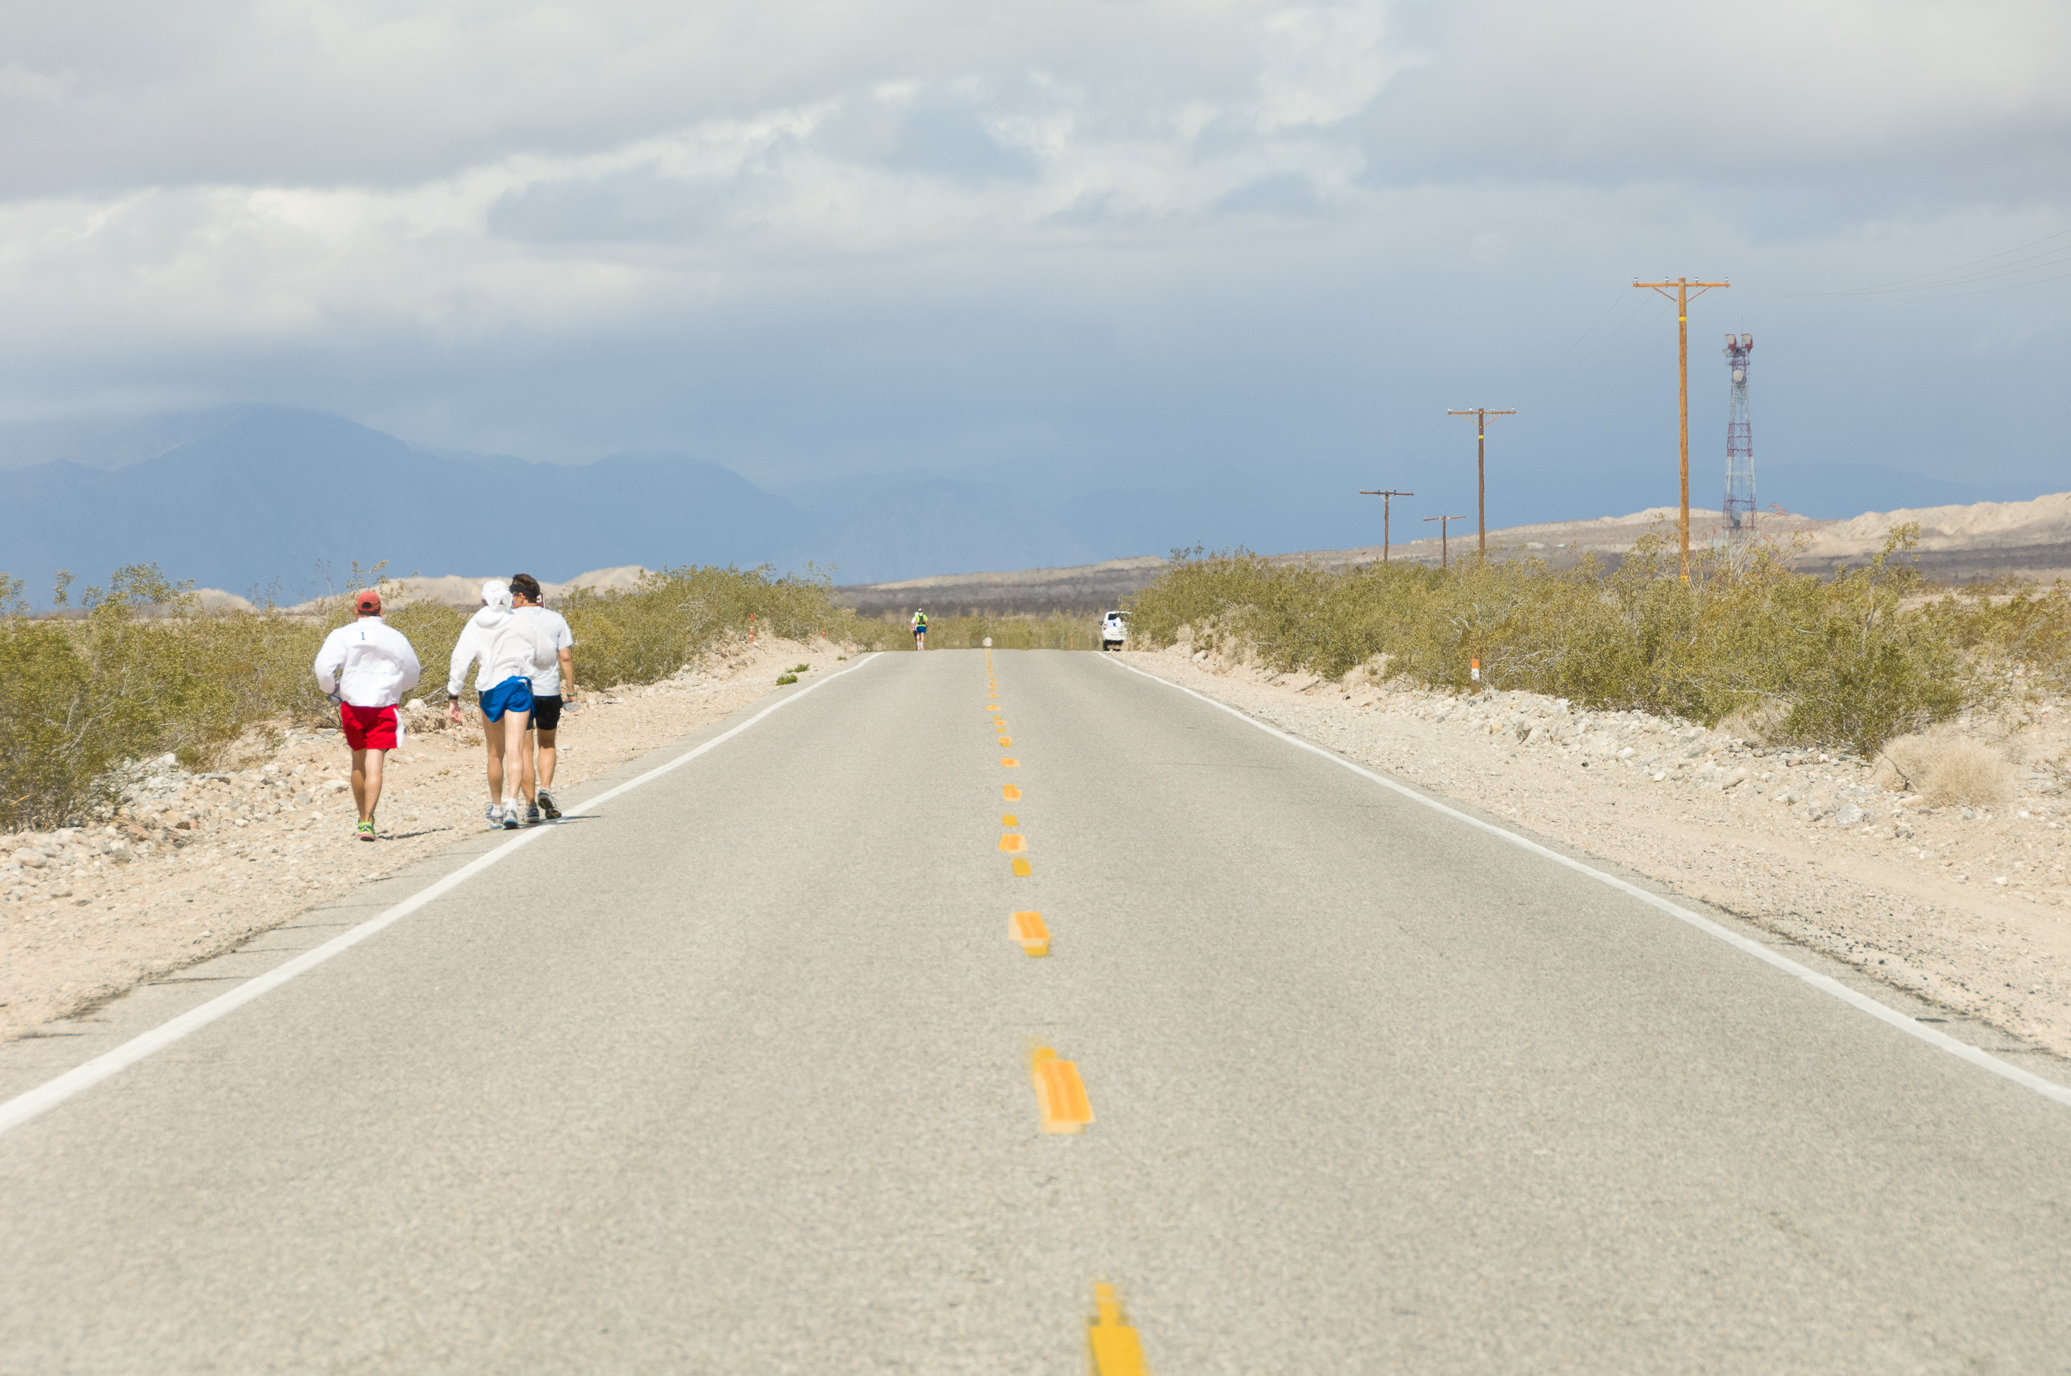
x=550, y=687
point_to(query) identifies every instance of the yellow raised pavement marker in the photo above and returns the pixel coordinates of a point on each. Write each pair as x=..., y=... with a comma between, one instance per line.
x=1033, y=936
x=1111, y=1343
x=1021, y=869
x=1060, y=1093
x=1006, y=740
x=1013, y=843
x=1008, y=819
x=1010, y=793
x=1009, y=762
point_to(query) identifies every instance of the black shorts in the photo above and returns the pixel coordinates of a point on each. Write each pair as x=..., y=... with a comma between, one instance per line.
x=546, y=712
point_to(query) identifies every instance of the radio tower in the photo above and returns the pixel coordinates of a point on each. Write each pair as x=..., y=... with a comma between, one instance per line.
x=1740, y=442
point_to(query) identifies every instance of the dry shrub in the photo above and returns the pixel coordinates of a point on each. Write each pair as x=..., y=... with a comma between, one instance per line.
x=1763, y=723
x=147, y=671
x=1946, y=769
x=1816, y=660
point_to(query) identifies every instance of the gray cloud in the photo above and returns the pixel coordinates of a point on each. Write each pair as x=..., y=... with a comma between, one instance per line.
x=1094, y=236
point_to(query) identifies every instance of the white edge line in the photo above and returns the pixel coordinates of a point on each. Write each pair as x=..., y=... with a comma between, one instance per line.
x=50, y=1094
x=1826, y=984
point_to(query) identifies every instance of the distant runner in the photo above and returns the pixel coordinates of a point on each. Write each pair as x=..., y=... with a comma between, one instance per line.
x=920, y=629
x=367, y=667
x=551, y=686
x=511, y=652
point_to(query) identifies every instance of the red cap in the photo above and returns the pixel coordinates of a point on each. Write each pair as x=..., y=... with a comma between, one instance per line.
x=369, y=601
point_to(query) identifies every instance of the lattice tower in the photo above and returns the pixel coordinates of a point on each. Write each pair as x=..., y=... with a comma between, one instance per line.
x=1740, y=441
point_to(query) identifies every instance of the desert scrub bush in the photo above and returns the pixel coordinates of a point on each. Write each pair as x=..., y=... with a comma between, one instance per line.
x=672, y=616
x=1057, y=631
x=83, y=695
x=1945, y=769
x=1838, y=660
x=146, y=671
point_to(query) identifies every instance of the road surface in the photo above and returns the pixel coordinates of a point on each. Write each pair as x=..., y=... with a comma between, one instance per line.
x=734, y=1075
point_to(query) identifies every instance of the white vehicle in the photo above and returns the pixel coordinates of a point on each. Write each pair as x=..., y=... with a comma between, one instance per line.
x=1114, y=630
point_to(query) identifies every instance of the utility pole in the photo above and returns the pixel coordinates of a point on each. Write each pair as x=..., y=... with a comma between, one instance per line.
x=1682, y=298
x=1444, y=558
x=1386, y=500
x=1481, y=416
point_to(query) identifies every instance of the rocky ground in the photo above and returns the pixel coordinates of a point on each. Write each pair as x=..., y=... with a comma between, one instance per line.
x=193, y=865
x=1969, y=907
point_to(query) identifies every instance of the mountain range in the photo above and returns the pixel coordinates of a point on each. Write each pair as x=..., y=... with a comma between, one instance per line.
x=277, y=503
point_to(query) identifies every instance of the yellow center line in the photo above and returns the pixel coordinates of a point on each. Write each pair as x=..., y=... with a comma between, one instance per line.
x=1021, y=869
x=1060, y=1093
x=1010, y=763
x=1111, y=1342
x=1006, y=740
x=1010, y=794
x=1013, y=842
x=1008, y=819
x=1028, y=930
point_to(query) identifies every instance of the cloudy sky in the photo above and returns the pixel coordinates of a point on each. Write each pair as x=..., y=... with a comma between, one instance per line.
x=1061, y=244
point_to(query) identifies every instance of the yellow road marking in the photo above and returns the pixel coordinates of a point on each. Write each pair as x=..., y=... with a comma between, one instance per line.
x=1029, y=931
x=1006, y=740
x=1008, y=819
x=1010, y=793
x=1060, y=1093
x=1021, y=868
x=1112, y=1343
x=1013, y=843
x=1009, y=762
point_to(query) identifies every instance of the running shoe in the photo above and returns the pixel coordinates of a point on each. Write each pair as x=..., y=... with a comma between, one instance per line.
x=546, y=805
x=366, y=831
x=510, y=815
x=532, y=814
x=495, y=816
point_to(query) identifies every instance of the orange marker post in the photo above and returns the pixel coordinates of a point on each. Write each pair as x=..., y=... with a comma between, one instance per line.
x=1060, y=1093
x=1029, y=932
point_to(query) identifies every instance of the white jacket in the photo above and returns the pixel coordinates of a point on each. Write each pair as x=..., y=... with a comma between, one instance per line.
x=367, y=664
x=509, y=646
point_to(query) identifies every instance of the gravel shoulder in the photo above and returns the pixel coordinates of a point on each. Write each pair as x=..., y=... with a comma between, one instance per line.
x=1969, y=909
x=194, y=865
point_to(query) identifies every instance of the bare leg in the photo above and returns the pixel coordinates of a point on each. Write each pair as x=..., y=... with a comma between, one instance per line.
x=518, y=765
x=546, y=758
x=492, y=741
x=366, y=781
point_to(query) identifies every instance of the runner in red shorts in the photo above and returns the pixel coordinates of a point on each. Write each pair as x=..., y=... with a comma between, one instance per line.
x=366, y=667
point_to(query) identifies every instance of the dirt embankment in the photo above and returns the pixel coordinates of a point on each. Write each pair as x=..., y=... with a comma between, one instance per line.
x=1968, y=906
x=195, y=865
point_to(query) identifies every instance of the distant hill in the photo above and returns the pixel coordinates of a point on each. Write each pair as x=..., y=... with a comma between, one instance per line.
x=261, y=503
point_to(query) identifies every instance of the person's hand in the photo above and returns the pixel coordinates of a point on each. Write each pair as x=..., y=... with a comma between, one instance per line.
x=453, y=710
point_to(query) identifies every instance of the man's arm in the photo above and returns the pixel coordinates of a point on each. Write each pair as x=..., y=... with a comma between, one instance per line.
x=412, y=670
x=329, y=660
x=567, y=673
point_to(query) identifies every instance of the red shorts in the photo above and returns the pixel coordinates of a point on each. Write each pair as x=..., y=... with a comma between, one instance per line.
x=368, y=728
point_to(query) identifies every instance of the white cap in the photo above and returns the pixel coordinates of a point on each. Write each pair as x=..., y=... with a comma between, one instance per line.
x=496, y=593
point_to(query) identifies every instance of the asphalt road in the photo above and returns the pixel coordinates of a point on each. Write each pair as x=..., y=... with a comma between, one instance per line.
x=733, y=1076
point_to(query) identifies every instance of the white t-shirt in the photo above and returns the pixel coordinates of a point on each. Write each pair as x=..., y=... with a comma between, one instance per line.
x=551, y=627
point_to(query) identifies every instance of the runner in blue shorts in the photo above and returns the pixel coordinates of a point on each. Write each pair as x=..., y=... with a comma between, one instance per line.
x=511, y=651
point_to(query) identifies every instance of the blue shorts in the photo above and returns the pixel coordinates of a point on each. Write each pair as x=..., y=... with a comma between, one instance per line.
x=511, y=695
